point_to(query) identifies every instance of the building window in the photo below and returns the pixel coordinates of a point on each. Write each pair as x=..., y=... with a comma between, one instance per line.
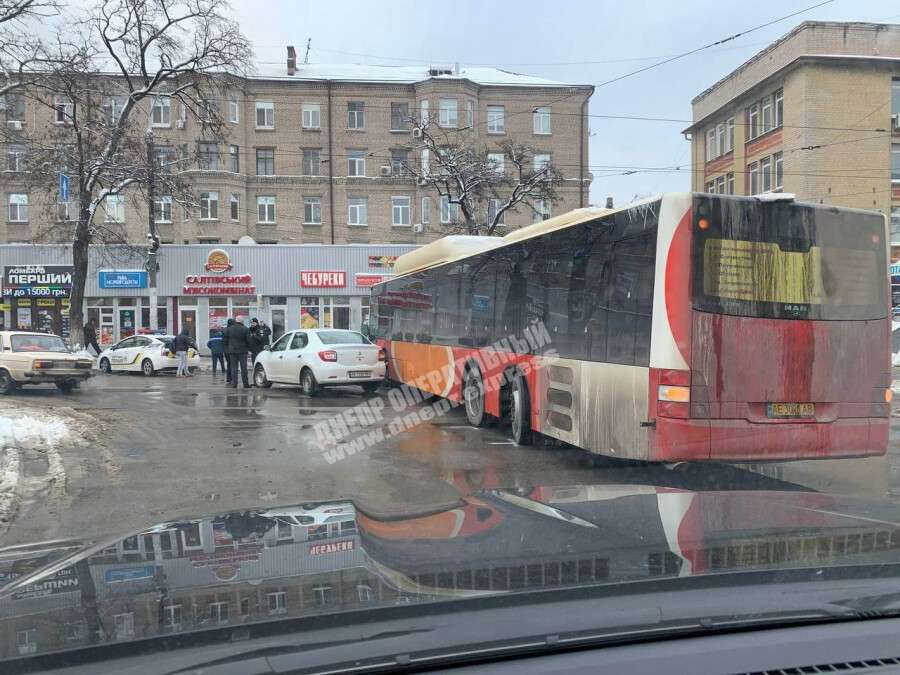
x=729, y=135
x=15, y=157
x=399, y=116
x=779, y=107
x=399, y=162
x=449, y=212
x=720, y=185
x=541, y=210
x=364, y=593
x=356, y=115
x=324, y=595
x=729, y=183
x=494, y=206
x=209, y=206
x=778, y=158
x=312, y=116
x=425, y=166
x=753, y=175
x=710, y=144
x=265, y=115
x=767, y=114
x=895, y=162
x=497, y=161
x=218, y=612
x=265, y=161
x=115, y=209
x=64, y=211
x=235, y=206
x=18, y=208
x=426, y=210
x=400, y=211
x=356, y=162
x=765, y=171
x=161, y=113
x=720, y=140
x=541, y=162
x=162, y=209
x=112, y=109
x=208, y=156
x=311, y=161
x=234, y=115
x=312, y=211
x=15, y=107
x=165, y=156
x=234, y=159
x=448, y=113
x=496, y=119
x=711, y=187
x=265, y=209
x=542, y=120
x=277, y=602
x=172, y=617
x=208, y=110
x=124, y=626
x=753, y=120
x=895, y=224
x=470, y=114
x=423, y=111
x=357, y=211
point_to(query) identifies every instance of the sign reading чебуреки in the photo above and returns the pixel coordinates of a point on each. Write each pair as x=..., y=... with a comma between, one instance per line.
x=37, y=281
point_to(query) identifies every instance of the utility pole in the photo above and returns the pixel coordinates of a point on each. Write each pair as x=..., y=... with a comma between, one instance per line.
x=152, y=265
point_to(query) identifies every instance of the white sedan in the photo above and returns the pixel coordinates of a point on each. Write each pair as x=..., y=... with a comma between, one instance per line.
x=147, y=354
x=321, y=357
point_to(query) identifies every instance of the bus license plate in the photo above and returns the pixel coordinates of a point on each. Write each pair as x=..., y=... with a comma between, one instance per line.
x=360, y=373
x=791, y=410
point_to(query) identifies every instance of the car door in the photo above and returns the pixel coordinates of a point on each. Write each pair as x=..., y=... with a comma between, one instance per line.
x=273, y=358
x=141, y=343
x=293, y=357
x=123, y=352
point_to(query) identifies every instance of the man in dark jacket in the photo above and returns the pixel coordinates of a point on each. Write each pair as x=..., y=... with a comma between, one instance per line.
x=237, y=345
x=216, y=346
x=90, y=336
x=229, y=376
x=255, y=340
x=182, y=343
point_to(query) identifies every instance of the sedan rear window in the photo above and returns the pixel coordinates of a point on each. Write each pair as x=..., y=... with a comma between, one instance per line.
x=38, y=343
x=342, y=337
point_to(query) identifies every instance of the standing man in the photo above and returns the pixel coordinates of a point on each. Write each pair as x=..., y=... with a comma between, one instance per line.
x=90, y=336
x=256, y=340
x=229, y=373
x=216, y=345
x=236, y=347
x=183, y=342
x=266, y=333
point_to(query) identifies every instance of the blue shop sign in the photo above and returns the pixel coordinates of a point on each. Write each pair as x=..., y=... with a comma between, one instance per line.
x=128, y=574
x=123, y=279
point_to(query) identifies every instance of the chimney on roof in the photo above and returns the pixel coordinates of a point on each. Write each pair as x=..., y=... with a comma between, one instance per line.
x=291, y=60
x=456, y=68
x=609, y=202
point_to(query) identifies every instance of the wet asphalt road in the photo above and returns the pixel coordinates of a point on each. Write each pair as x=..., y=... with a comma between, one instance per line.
x=162, y=448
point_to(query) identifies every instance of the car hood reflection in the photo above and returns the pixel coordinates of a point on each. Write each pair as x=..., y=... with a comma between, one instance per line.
x=316, y=558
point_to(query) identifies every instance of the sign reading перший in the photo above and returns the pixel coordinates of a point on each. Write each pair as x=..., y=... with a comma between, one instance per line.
x=323, y=279
x=207, y=284
x=37, y=281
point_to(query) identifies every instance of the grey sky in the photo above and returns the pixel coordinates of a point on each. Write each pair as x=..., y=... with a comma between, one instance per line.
x=512, y=33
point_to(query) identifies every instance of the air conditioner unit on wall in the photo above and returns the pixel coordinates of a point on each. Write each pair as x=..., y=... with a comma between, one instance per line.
x=180, y=124
x=15, y=124
x=385, y=170
x=417, y=132
x=895, y=122
x=418, y=228
x=421, y=182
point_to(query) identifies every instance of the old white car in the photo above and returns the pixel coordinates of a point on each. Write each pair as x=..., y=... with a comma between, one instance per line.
x=321, y=357
x=39, y=358
x=147, y=354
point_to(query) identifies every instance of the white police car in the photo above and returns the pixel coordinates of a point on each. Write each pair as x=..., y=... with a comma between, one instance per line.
x=147, y=354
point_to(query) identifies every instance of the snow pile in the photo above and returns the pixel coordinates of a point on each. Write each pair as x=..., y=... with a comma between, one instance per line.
x=31, y=431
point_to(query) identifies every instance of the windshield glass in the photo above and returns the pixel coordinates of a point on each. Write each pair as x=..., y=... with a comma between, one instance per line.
x=342, y=338
x=786, y=260
x=38, y=343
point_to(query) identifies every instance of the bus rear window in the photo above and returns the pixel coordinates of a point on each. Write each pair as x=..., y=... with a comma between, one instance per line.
x=791, y=261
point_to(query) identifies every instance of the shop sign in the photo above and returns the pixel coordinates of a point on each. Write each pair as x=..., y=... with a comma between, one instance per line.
x=323, y=279
x=64, y=581
x=46, y=302
x=382, y=260
x=123, y=279
x=204, y=284
x=369, y=280
x=218, y=261
x=331, y=547
x=119, y=574
x=37, y=281
x=231, y=557
x=5, y=307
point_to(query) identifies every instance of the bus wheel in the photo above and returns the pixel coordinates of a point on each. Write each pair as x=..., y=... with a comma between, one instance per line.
x=520, y=411
x=473, y=394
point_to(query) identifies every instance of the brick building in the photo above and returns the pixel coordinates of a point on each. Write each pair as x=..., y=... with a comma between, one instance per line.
x=315, y=154
x=817, y=114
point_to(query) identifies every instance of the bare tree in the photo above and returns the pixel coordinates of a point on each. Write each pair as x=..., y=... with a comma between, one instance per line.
x=22, y=53
x=478, y=186
x=101, y=91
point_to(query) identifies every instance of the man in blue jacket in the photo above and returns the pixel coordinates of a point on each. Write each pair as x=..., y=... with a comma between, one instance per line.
x=217, y=346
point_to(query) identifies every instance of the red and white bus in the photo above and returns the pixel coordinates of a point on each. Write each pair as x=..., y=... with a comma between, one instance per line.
x=686, y=327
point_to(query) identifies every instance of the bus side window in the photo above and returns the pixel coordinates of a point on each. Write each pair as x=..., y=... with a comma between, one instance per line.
x=631, y=300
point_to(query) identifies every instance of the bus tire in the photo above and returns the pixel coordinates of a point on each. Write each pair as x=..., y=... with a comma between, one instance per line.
x=520, y=411
x=473, y=397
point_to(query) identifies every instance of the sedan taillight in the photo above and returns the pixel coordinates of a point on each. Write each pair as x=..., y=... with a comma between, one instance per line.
x=42, y=364
x=328, y=355
x=381, y=355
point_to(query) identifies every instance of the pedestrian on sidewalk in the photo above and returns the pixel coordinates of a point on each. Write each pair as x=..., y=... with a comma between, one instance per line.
x=266, y=333
x=216, y=345
x=183, y=342
x=236, y=347
x=90, y=336
x=229, y=373
x=256, y=340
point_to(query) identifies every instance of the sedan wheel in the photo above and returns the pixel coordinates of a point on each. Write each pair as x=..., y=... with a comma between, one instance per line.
x=7, y=384
x=105, y=367
x=308, y=383
x=147, y=367
x=260, y=379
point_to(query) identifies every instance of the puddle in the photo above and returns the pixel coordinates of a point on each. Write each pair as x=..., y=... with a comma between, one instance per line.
x=133, y=452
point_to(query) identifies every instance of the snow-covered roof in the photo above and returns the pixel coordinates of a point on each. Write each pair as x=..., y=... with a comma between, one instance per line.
x=350, y=72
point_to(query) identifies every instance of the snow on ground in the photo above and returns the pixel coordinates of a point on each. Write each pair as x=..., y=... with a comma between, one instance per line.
x=27, y=430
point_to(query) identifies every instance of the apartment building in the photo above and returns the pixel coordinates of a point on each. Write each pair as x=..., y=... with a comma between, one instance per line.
x=817, y=114
x=317, y=154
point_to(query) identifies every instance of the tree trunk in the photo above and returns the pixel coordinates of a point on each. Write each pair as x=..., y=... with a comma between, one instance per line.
x=80, y=248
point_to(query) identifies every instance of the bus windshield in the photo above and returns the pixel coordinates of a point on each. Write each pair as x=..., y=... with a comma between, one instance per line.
x=785, y=260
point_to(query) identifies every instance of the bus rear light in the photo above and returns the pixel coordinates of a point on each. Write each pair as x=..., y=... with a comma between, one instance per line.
x=673, y=409
x=674, y=394
x=328, y=355
x=888, y=395
x=681, y=378
x=703, y=224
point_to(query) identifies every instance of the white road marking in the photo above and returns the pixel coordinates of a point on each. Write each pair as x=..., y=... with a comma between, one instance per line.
x=501, y=443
